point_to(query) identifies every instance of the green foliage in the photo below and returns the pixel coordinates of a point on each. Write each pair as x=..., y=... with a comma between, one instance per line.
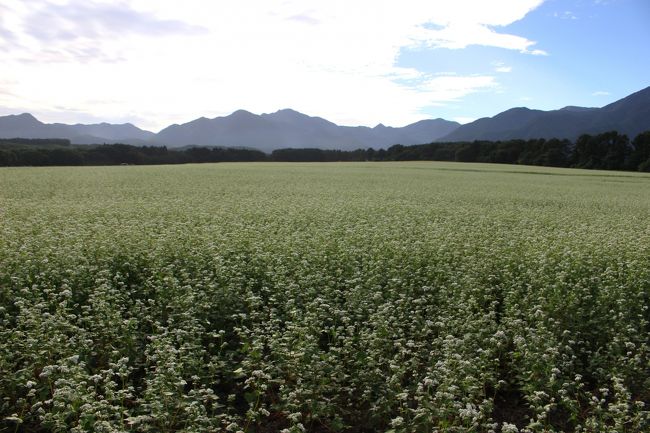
x=640, y=158
x=56, y=152
x=403, y=297
x=606, y=151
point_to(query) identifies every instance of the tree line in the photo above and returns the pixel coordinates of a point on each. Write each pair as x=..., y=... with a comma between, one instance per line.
x=606, y=151
x=53, y=152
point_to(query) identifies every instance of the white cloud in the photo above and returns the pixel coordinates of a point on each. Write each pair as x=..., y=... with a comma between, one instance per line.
x=600, y=93
x=566, y=15
x=170, y=61
x=452, y=88
x=501, y=67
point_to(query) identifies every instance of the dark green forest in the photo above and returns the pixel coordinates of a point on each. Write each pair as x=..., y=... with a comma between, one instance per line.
x=606, y=151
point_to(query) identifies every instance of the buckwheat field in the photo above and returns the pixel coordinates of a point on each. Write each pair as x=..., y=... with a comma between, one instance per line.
x=360, y=297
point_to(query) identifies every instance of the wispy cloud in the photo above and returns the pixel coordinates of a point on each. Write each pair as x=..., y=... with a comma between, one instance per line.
x=42, y=31
x=462, y=35
x=305, y=19
x=600, y=93
x=453, y=88
x=501, y=67
x=566, y=15
x=464, y=23
x=94, y=20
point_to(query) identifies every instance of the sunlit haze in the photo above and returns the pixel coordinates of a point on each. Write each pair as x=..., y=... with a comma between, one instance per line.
x=153, y=63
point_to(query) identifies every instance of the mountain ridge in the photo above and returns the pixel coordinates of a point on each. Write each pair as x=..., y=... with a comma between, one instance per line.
x=25, y=125
x=267, y=132
x=629, y=115
x=288, y=128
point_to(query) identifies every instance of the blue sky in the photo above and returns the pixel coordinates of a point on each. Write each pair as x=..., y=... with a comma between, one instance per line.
x=598, y=52
x=361, y=62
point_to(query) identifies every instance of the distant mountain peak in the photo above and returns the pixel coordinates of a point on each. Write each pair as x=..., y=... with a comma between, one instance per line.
x=576, y=109
x=26, y=116
x=516, y=110
x=286, y=113
x=240, y=112
x=289, y=111
x=15, y=122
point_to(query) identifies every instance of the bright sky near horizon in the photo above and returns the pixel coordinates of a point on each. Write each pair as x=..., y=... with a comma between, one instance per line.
x=361, y=62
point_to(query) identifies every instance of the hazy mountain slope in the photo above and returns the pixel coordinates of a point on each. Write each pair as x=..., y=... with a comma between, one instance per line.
x=630, y=115
x=125, y=131
x=27, y=126
x=491, y=128
x=289, y=128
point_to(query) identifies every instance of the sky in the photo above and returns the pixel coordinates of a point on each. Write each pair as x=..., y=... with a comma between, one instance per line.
x=354, y=62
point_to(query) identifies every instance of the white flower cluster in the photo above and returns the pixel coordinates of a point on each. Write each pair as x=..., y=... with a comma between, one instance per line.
x=398, y=297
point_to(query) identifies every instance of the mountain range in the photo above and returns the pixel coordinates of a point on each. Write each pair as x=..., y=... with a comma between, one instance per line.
x=289, y=128
x=266, y=132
